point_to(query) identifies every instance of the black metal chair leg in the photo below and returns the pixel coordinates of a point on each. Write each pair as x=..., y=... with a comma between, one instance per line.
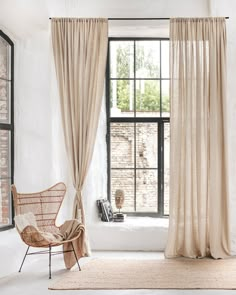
x=50, y=256
x=75, y=256
x=24, y=258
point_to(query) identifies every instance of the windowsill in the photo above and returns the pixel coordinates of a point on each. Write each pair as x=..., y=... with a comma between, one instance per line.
x=134, y=234
x=133, y=221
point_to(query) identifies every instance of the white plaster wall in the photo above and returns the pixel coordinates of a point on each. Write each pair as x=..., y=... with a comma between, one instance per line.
x=33, y=109
x=40, y=158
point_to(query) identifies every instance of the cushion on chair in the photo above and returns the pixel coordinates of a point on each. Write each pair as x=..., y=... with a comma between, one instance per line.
x=30, y=233
x=23, y=220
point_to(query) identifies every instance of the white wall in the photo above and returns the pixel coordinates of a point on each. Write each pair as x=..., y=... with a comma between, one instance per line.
x=33, y=109
x=40, y=158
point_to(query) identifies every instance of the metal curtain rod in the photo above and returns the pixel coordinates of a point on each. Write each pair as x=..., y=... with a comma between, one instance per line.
x=154, y=18
x=140, y=18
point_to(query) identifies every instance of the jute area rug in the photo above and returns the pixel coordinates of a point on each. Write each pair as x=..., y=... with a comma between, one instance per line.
x=150, y=274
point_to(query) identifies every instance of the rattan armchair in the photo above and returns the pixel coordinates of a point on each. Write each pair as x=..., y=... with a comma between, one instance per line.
x=44, y=206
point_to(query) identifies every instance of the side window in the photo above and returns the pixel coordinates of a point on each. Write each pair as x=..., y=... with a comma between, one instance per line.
x=6, y=130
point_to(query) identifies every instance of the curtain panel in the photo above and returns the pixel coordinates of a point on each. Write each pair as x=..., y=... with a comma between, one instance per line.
x=199, y=221
x=80, y=51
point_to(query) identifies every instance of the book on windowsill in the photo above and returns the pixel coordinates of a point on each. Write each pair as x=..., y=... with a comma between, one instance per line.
x=119, y=217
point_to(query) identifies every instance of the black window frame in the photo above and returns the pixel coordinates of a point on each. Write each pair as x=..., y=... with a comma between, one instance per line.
x=10, y=126
x=159, y=120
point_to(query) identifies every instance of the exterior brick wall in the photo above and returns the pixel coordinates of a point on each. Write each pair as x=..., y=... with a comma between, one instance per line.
x=122, y=156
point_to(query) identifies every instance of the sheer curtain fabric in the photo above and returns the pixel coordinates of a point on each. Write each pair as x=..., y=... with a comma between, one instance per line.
x=80, y=51
x=199, y=221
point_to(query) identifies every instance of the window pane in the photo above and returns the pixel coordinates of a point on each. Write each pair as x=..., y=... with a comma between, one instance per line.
x=147, y=98
x=147, y=59
x=165, y=59
x=146, y=145
x=166, y=167
x=5, y=161
x=4, y=101
x=5, y=202
x=122, y=98
x=165, y=98
x=123, y=179
x=122, y=59
x=4, y=59
x=122, y=145
x=146, y=192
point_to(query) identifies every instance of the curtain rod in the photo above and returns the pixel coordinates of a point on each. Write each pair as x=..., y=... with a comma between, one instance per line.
x=138, y=18
x=155, y=18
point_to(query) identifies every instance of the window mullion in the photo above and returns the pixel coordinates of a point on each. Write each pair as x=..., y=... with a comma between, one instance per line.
x=6, y=126
x=108, y=135
x=160, y=168
x=160, y=84
x=134, y=103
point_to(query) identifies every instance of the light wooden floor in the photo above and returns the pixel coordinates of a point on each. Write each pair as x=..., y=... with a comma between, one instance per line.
x=34, y=278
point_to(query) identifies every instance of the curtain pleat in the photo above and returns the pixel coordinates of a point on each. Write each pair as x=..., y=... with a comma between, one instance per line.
x=199, y=221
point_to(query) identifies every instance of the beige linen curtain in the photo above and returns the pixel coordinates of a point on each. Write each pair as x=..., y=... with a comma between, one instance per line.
x=80, y=50
x=199, y=221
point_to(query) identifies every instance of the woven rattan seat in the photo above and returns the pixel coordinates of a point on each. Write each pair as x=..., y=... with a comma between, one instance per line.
x=44, y=206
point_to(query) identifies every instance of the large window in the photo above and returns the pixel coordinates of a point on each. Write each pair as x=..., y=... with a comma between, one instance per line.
x=138, y=111
x=6, y=130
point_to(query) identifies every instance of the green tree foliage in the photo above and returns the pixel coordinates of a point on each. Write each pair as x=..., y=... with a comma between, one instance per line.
x=149, y=98
x=147, y=92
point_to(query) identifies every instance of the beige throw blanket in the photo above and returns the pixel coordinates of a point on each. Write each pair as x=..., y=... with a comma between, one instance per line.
x=70, y=229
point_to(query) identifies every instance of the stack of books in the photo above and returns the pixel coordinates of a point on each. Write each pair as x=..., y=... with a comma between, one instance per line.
x=118, y=217
x=105, y=210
